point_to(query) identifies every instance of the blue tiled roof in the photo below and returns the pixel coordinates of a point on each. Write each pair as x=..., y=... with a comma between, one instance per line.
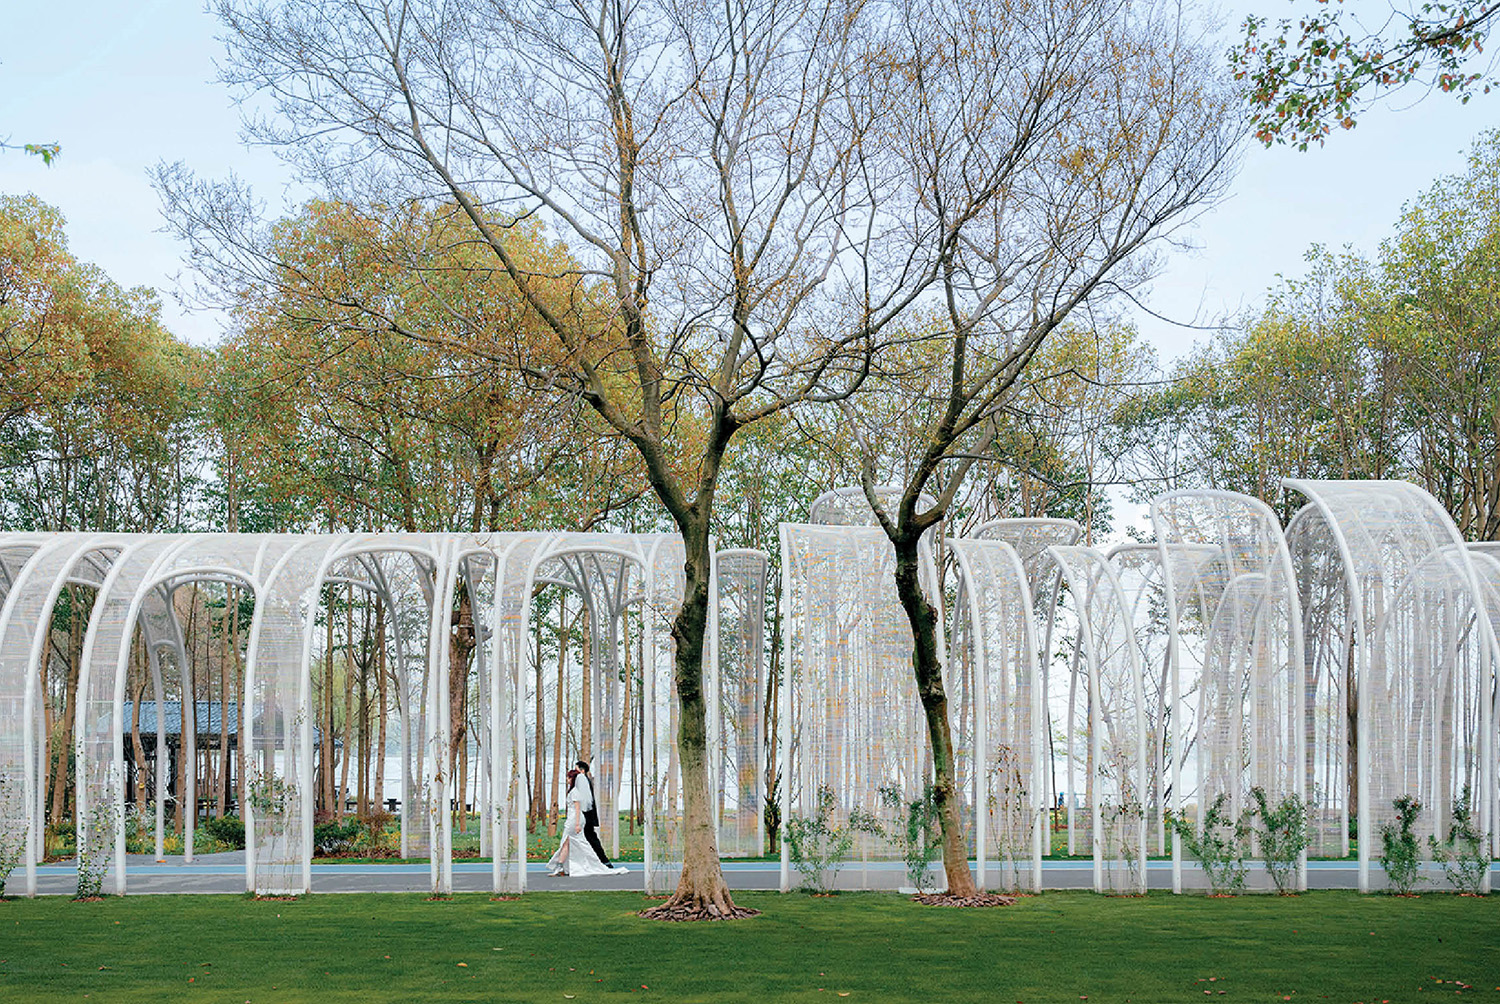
x=205, y=714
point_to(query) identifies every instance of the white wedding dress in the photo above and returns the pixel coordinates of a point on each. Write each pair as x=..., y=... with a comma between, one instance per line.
x=574, y=857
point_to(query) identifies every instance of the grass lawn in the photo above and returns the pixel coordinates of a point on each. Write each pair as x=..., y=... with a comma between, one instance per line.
x=590, y=947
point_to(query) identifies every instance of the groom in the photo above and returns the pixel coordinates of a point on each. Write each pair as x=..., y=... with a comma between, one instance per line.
x=591, y=814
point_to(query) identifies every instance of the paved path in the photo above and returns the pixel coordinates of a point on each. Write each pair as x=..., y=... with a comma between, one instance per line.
x=225, y=873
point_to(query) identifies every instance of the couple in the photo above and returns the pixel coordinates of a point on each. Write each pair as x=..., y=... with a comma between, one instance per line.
x=580, y=852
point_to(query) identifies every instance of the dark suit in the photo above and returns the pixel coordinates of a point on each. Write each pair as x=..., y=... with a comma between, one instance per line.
x=591, y=825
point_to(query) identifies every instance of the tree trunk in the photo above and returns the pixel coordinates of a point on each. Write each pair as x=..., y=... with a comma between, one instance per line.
x=362, y=782
x=348, y=729
x=586, y=686
x=557, y=709
x=380, y=701
x=137, y=750
x=461, y=647
x=49, y=718
x=218, y=770
x=934, y=699
x=538, y=780
x=701, y=889
x=179, y=783
x=771, y=716
x=64, y=746
x=623, y=743
x=326, y=774
x=241, y=750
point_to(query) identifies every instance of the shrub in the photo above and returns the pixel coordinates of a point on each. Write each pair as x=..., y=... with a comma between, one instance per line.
x=335, y=838
x=817, y=845
x=918, y=829
x=13, y=837
x=228, y=831
x=140, y=828
x=379, y=836
x=60, y=840
x=95, y=848
x=1220, y=849
x=1461, y=852
x=1284, y=835
x=1399, y=848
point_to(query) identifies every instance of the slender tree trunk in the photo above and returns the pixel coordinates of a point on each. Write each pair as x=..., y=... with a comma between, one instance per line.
x=640, y=734
x=217, y=767
x=179, y=783
x=326, y=774
x=557, y=710
x=61, y=788
x=362, y=783
x=349, y=672
x=138, y=750
x=935, y=708
x=538, y=781
x=49, y=716
x=586, y=689
x=771, y=716
x=461, y=647
x=624, y=738
x=380, y=701
x=241, y=743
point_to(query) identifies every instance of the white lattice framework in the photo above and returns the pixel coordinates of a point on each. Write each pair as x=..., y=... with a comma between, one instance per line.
x=1422, y=649
x=1234, y=582
x=997, y=702
x=1226, y=655
x=851, y=720
x=1141, y=574
x=418, y=577
x=1106, y=729
x=737, y=726
x=1328, y=652
x=1031, y=537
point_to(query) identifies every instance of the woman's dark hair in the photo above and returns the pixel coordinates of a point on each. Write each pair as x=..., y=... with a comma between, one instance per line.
x=572, y=778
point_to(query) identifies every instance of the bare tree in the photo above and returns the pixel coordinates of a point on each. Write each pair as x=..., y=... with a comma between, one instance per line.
x=702, y=162
x=1048, y=143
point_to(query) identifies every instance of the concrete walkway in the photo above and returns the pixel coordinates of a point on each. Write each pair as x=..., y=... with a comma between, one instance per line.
x=225, y=873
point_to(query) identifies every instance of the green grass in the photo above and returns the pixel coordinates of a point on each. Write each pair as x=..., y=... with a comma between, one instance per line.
x=590, y=946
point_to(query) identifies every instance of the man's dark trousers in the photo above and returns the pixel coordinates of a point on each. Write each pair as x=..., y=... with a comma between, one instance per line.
x=591, y=827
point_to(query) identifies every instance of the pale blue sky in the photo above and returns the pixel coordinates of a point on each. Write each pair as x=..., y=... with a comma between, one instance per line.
x=124, y=85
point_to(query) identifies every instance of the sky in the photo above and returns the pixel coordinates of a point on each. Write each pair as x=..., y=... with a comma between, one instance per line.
x=123, y=86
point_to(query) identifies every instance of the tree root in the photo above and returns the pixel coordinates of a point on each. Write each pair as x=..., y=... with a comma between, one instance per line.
x=948, y=899
x=696, y=906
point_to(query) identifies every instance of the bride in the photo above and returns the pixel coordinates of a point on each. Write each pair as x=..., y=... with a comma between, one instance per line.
x=574, y=855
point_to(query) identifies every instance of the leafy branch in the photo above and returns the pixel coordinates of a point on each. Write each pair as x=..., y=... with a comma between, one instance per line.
x=47, y=151
x=1306, y=76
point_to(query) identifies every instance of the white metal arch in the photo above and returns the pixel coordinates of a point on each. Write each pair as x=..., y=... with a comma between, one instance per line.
x=1251, y=710
x=1008, y=778
x=1116, y=708
x=1382, y=532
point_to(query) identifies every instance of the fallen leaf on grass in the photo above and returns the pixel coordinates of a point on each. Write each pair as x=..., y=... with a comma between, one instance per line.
x=464, y=964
